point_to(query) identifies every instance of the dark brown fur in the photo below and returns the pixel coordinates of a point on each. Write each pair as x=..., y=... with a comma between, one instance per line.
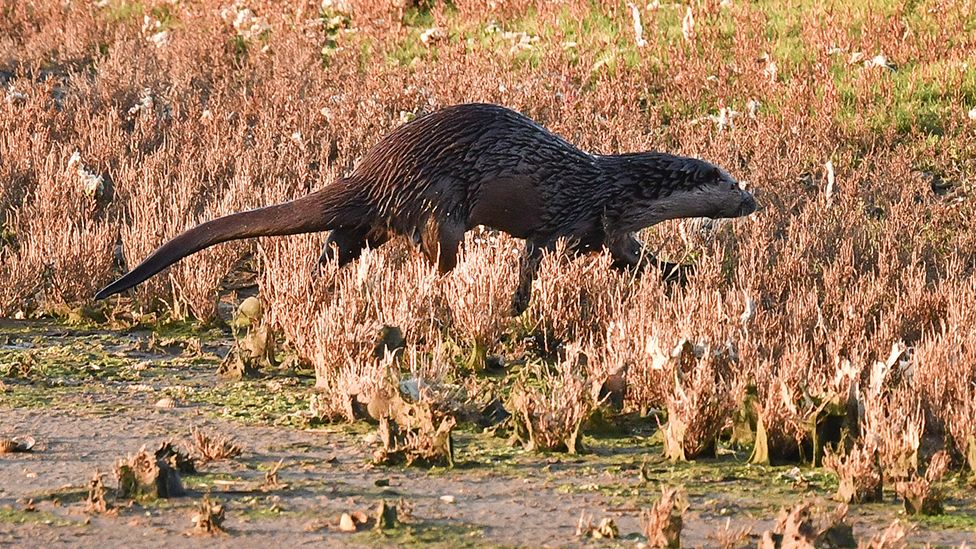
x=441, y=175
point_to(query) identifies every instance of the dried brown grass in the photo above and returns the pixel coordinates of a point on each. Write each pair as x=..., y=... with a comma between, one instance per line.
x=550, y=408
x=213, y=447
x=892, y=537
x=95, y=502
x=662, y=523
x=922, y=494
x=806, y=526
x=479, y=292
x=804, y=298
x=702, y=402
x=859, y=474
x=208, y=519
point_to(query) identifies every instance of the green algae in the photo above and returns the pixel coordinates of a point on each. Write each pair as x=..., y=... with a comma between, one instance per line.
x=426, y=534
x=10, y=515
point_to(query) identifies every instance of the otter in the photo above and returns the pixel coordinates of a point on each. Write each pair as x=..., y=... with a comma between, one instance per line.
x=442, y=174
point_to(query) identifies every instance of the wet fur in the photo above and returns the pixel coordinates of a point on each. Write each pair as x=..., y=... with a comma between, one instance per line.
x=435, y=178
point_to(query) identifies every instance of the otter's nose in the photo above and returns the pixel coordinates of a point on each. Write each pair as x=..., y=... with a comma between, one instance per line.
x=748, y=204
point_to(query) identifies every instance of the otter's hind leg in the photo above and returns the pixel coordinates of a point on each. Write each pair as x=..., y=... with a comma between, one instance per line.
x=345, y=245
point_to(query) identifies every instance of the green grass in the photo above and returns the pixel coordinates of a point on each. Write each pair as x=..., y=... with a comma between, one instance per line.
x=789, y=49
x=952, y=519
x=132, y=12
x=253, y=402
x=426, y=534
x=123, y=11
x=9, y=515
x=918, y=97
x=409, y=49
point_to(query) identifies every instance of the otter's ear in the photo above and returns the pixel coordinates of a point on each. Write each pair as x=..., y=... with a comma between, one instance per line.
x=709, y=173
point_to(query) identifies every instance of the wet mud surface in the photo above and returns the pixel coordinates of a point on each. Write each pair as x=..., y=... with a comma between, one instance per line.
x=90, y=396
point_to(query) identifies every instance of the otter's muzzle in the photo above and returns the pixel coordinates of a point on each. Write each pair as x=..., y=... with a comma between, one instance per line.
x=748, y=204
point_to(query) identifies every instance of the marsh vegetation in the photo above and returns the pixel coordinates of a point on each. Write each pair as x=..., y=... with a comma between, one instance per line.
x=823, y=349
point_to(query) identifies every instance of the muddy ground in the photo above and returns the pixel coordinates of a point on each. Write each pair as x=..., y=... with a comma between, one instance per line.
x=89, y=396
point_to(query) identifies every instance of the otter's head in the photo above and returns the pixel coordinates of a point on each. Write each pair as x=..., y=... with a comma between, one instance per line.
x=709, y=191
x=660, y=186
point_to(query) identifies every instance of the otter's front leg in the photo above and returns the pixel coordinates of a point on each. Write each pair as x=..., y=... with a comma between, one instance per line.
x=528, y=267
x=630, y=253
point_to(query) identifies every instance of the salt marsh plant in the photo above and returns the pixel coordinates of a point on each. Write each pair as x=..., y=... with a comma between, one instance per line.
x=854, y=129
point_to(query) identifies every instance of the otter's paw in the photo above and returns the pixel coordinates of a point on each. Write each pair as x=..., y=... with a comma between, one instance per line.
x=676, y=272
x=520, y=302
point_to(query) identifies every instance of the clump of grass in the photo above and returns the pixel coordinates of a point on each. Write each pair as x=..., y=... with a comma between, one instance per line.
x=415, y=433
x=573, y=299
x=354, y=307
x=176, y=457
x=921, y=494
x=60, y=244
x=271, y=480
x=892, y=419
x=605, y=529
x=728, y=537
x=213, y=447
x=143, y=476
x=95, y=501
x=549, y=411
x=859, y=474
x=800, y=526
x=701, y=404
x=479, y=292
x=345, y=392
x=810, y=293
x=662, y=523
x=208, y=519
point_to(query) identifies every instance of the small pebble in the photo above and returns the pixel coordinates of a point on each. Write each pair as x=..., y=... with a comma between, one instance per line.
x=346, y=523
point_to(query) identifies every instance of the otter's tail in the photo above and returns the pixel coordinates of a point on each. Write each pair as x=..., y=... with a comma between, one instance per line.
x=318, y=211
